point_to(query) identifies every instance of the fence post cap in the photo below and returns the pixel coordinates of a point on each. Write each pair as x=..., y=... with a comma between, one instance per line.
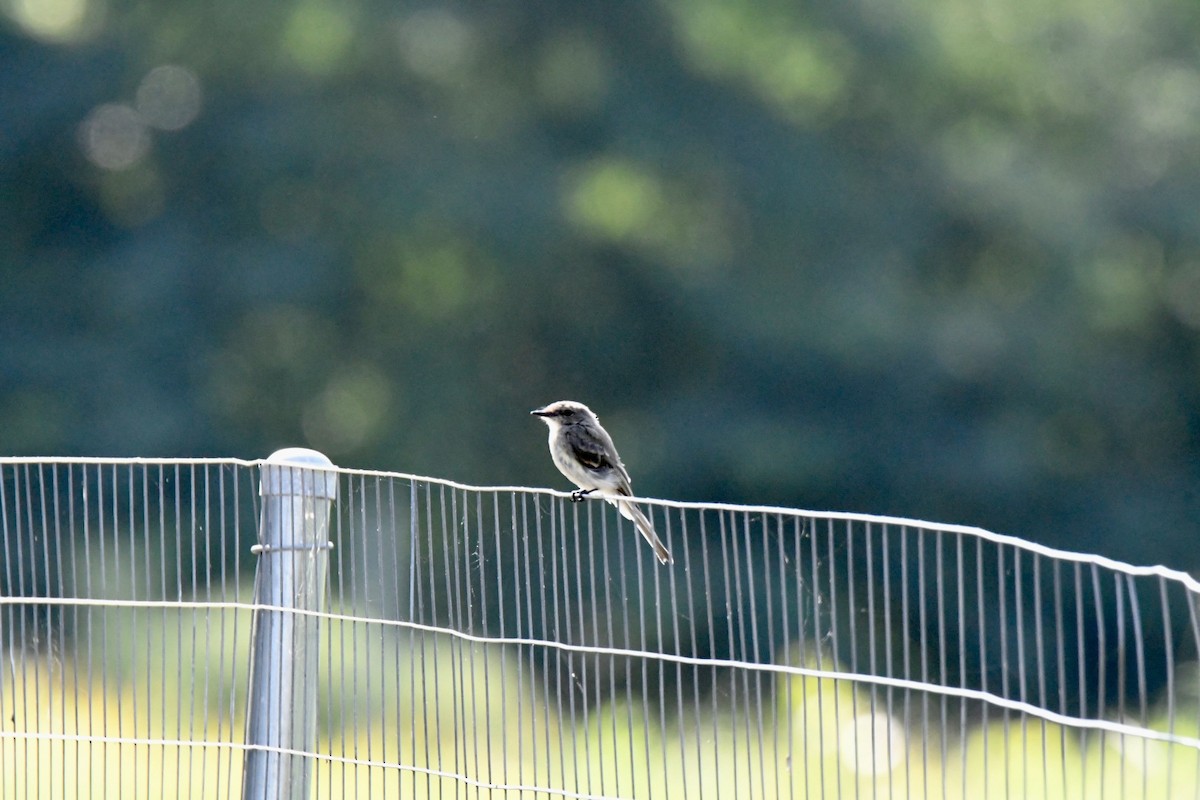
x=299, y=471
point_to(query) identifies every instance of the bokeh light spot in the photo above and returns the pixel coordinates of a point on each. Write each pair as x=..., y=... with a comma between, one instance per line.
x=59, y=21
x=683, y=222
x=168, y=97
x=352, y=407
x=318, y=35
x=1181, y=293
x=114, y=136
x=435, y=43
x=572, y=73
x=616, y=199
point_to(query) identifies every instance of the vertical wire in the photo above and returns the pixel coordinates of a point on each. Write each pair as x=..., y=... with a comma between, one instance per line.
x=242, y=590
x=961, y=594
x=552, y=625
x=676, y=615
x=983, y=662
x=1060, y=626
x=16, y=584
x=364, y=703
x=1022, y=682
x=9, y=611
x=943, y=662
x=28, y=638
x=773, y=651
x=454, y=645
x=431, y=618
x=1169, y=655
x=815, y=563
x=77, y=631
x=502, y=616
x=789, y=680
x=1122, y=669
x=889, y=646
x=628, y=644
x=755, y=652
x=115, y=566
x=558, y=524
x=103, y=581
x=1081, y=661
x=400, y=639
x=597, y=633
x=735, y=630
x=1140, y=661
x=1039, y=638
x=711, y=622
x=1195, y=628
x=578, y=674
x=611, y=639
x=516, y=607
x=388, y=603
x=359, y=700
x=872, y=627
x=334, y=689
x=193, y=591
x=335, y=684
x=660, y=666
x=1002, y=625
x=344, y=698
x=1102, y=649
x=852, y=621
x=416, y=612
x=202, y=590
x=905, y=647
x=539, y=653
x=225, y=644
x=548, y=632
x=451, y=538
x=643, y=645
x=1135, y=615
x=179, y=591
x=923, y=641
x=52, y=587
x=485, y=651
x=905, y=585
x=46, y=627
x=526, y=631
x=746, y=629
x=834, y=646
x=131, y=523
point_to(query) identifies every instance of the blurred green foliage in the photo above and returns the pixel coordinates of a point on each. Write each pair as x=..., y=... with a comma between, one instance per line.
x=924, y=257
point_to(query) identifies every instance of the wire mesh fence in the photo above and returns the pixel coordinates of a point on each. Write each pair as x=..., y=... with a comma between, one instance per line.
x=506, y=642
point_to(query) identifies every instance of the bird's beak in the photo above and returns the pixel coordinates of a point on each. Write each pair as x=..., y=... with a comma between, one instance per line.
x=540, y=412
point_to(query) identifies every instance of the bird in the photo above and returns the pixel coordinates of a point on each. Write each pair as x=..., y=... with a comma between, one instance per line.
x=584, y=452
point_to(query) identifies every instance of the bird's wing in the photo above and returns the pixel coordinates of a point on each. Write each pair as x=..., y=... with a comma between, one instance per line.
x=591, y=452
x=594, y=449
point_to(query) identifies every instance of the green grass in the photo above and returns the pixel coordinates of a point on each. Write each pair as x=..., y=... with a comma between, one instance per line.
x=435, y=702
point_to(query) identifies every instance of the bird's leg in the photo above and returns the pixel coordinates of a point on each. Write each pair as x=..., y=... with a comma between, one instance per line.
x=578, y=495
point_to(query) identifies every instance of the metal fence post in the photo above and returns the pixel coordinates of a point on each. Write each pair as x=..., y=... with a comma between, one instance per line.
x=298, y=490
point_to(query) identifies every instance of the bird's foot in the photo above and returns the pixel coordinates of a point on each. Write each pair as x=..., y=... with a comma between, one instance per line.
x=578, y=495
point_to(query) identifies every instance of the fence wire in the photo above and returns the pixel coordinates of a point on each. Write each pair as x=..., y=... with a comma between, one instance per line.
x=506, y=642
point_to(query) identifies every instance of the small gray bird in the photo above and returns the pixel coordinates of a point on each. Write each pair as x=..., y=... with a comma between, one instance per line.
x=584, y=452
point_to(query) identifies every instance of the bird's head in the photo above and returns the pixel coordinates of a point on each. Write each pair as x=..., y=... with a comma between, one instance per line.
x=564, y=412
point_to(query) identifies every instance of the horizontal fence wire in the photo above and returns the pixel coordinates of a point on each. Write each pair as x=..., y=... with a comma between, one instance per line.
x=507, y=642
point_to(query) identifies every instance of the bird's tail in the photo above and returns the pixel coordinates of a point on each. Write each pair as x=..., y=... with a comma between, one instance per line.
x=631, y=512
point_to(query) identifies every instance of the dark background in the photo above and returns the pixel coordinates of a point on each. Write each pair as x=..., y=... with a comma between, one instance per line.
x=938, y=260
